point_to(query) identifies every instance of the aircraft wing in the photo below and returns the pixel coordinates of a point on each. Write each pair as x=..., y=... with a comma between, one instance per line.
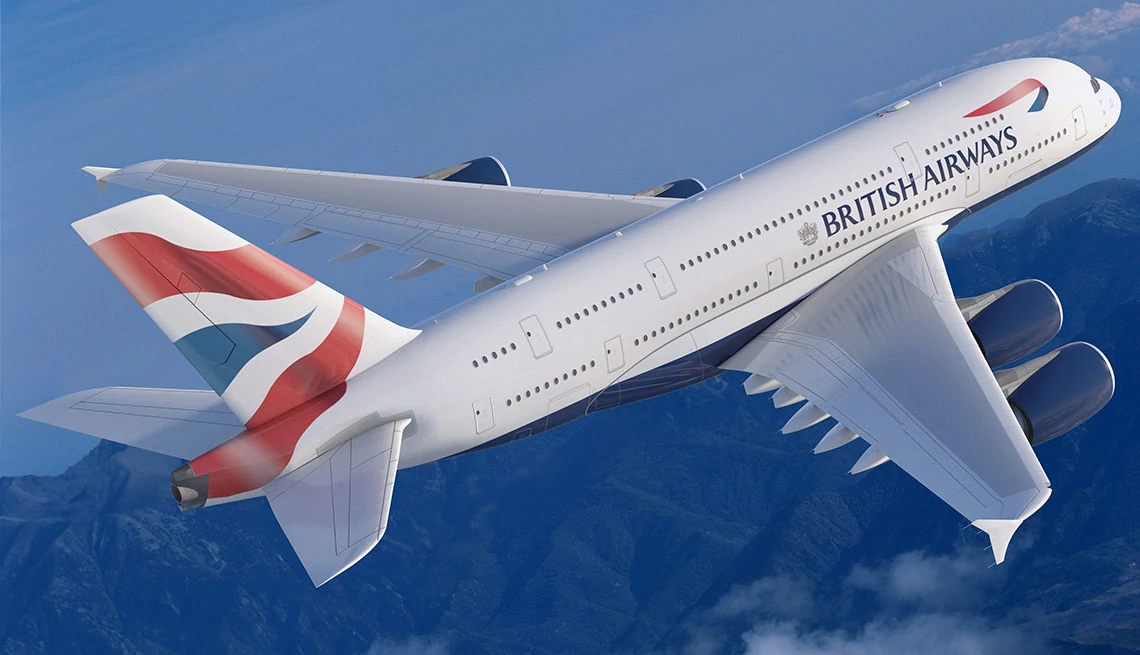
x=499, y=231
x=885, y=350
x=334, y=509
x=182, y=423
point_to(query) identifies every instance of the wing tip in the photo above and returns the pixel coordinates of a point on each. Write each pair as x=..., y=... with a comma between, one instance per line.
x=100, y=173
x=1000, y=532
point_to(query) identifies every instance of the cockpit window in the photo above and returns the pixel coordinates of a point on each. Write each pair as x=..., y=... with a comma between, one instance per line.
x=1095, y=84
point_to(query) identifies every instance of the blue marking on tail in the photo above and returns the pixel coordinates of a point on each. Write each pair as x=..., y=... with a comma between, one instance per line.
x=220, y=352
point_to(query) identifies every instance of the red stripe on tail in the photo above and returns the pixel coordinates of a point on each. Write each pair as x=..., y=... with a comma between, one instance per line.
x=151, y=268
x=257, y=456
x=328, y=365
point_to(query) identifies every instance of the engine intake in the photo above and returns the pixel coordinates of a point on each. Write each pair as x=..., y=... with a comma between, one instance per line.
x=1055, y=393
x=1013, y=321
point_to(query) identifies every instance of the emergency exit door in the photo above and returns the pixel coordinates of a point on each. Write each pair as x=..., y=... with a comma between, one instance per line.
x=1079, y=127
x=775, y=273
x=536, y=336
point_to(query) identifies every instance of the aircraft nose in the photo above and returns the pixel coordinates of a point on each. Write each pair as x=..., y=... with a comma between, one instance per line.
x=1109, y=101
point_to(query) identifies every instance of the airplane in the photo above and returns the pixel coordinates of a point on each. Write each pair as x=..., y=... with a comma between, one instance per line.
x=818, y=273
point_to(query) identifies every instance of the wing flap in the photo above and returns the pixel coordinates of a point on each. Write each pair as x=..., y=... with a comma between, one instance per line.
x=182, y=423
x=884, y=349
x=489, y=228
x=334, y=509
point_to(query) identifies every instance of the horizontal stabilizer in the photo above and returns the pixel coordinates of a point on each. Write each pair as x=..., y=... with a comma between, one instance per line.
x=334, y=509
x=182, y=423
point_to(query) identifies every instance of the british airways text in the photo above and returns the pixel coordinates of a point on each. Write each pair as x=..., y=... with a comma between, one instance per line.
x=898, y=191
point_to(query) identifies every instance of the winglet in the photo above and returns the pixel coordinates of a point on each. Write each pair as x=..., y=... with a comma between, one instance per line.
x=1000, y=532
x=101, y=174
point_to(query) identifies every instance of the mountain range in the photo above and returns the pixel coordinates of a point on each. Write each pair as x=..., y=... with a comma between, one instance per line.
x=682, y=524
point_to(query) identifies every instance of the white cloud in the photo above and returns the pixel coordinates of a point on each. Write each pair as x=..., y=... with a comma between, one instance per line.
x=914, y=603
x=779, y=596
x=931, y=581
x=1074, y=39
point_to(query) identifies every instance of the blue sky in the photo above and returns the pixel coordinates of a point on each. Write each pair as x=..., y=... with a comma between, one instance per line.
x=590, y=96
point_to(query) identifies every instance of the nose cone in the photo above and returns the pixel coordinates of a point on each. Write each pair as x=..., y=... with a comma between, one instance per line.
x=1109, y=104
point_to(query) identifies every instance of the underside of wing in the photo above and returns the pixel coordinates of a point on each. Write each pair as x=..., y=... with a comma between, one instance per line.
x=182, y=423
x=334, y=509
x=498, y=230
x=884, y=349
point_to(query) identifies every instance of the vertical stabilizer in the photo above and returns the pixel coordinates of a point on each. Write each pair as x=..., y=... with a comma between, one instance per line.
x=265, y=336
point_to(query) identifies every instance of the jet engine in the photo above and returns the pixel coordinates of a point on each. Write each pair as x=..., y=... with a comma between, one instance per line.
x=1055, y=393
x=1013, y=321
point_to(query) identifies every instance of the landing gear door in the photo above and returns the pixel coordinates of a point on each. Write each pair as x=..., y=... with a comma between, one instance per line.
x=1079, y=128
x=536, y=336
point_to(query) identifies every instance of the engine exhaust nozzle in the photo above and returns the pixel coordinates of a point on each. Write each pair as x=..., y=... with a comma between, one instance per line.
x=189, y=491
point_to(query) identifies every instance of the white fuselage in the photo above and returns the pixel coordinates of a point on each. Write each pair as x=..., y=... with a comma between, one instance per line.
x=659, y=304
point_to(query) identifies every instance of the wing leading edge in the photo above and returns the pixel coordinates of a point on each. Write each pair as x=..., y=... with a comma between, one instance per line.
x=497, y=230
x=885, y=350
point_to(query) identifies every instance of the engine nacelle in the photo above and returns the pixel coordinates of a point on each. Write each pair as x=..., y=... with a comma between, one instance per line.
x=1055, y=393
x=1013, y=321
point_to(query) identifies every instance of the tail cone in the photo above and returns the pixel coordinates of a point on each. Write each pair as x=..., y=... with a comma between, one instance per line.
x=189, y=491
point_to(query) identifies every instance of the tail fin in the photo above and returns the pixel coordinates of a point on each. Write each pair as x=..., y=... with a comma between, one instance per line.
x=264, y=335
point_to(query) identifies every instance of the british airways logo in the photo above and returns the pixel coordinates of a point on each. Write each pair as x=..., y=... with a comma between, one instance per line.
x=1015, y=93
x=936, y=173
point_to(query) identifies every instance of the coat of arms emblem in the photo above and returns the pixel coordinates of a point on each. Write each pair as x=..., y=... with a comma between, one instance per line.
x=808, y=233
